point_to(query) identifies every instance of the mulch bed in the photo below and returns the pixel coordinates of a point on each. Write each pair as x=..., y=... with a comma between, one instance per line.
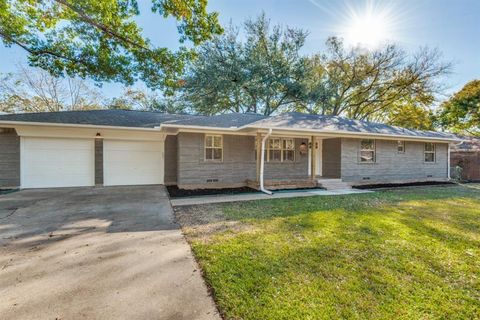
x=399, y=185
x=5, y=191
x=175, y=192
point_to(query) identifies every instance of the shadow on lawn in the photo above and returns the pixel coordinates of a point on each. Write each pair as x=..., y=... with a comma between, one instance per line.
x=352, y=204
x=402, y=256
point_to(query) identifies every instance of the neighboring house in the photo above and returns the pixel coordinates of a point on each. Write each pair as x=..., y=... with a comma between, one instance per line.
x=118, y=147
x=466, y=155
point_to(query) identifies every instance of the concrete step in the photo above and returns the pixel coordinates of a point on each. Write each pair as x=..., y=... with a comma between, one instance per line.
x=333, y=184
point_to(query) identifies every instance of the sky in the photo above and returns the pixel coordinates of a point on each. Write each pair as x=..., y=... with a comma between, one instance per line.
x=452, y=26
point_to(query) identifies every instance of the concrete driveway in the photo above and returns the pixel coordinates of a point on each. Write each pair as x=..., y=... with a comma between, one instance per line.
x=96, y=253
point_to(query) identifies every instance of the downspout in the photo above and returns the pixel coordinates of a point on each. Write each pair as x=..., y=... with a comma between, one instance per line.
x=262, y=163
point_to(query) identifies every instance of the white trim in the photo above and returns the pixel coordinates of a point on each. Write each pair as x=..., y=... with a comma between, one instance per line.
x=212, y=147
x=22, y=162
x=359, y=134
x=262, y=164
x=434, y=152
x=318, y=157
x=236, y=130
x=71, y=125
x=374, y=150
x=404, y=144
x=309, y=143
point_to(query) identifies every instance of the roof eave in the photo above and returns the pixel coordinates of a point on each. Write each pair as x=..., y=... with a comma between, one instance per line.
x=358, y=134
x=72, y=125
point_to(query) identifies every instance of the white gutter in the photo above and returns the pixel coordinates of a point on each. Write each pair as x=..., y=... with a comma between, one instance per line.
x=337, y=133
x=262, y=163
x=352, y=134
x=72, y=125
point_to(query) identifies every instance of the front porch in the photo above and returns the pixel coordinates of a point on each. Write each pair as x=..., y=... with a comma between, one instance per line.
x=321, y=156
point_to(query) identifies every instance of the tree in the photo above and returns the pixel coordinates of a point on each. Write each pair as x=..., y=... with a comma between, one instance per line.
x=410, y=116
x=372, y=85
x=35, y=90
x=260, y=74
x=101, y=40
x=145, y=100
x=461, y=113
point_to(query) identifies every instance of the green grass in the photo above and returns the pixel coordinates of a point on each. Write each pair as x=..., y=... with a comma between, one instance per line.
x=404, y=254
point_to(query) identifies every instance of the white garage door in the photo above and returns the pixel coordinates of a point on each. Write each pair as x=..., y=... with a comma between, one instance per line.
x=52, y=162
x=132, y=162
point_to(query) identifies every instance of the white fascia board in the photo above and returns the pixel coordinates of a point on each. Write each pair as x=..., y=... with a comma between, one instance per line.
x=204, y=128
x=12, y=124
x=349, y=134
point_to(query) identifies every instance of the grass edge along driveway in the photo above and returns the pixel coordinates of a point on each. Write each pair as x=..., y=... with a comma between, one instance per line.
x=410, y=253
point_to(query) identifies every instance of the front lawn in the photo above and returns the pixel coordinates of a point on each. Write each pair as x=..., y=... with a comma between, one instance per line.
x=404, y=254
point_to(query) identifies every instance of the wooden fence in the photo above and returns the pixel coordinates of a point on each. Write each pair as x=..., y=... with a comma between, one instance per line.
x=469, y=161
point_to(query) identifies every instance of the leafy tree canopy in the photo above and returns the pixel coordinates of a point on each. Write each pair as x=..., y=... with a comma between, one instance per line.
x=262, y=70
x=461, y=113
x=146, y=100
x=100, y=39
x=378, y=85
x=258, y=72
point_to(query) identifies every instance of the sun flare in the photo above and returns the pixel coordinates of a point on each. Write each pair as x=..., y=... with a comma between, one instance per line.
x=369, y=26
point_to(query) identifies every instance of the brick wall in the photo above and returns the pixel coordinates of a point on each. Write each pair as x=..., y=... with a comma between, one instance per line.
x=391, y=166
x=237, y=166
x=171, y=160
x=9, y=158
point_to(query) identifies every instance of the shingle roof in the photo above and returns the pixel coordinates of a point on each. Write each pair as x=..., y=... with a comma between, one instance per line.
x=130, y=118
x=302, y=121
x=228, y=120
x=292, y=120
x=469, y=144
x=118, y=118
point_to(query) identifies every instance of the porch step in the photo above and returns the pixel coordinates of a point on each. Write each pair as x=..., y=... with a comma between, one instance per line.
x=284, y=184
x=333, y=184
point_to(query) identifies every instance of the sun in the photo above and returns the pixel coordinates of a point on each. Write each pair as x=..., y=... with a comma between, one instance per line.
x=369, y=26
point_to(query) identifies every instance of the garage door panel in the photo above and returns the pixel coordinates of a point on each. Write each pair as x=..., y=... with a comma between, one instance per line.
x=54, y=162
x=133, y=162
x=143, y=146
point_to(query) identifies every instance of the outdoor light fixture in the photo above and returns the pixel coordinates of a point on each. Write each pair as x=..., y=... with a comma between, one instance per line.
x=303, y=148
x=98, y=135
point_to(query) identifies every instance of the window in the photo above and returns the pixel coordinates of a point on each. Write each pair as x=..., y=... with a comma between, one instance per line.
x=213, y=148
x=401, y=146
x=280, y=150
x=367, y=150
x=429, y=152
x=288, y=150
x=275, y=150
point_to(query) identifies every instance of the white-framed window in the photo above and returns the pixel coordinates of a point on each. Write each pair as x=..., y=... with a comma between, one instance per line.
x=429, y=152
x=288, y=150
x=401, y=146
x=213, y=148
x=367, y=150
x=279, y=150
x=274, y=150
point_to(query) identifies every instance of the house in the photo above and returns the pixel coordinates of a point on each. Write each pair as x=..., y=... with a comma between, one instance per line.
x=466, y=155
x=118, y=147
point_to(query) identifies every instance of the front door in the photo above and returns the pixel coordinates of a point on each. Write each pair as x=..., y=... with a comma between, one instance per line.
x=318, y=157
